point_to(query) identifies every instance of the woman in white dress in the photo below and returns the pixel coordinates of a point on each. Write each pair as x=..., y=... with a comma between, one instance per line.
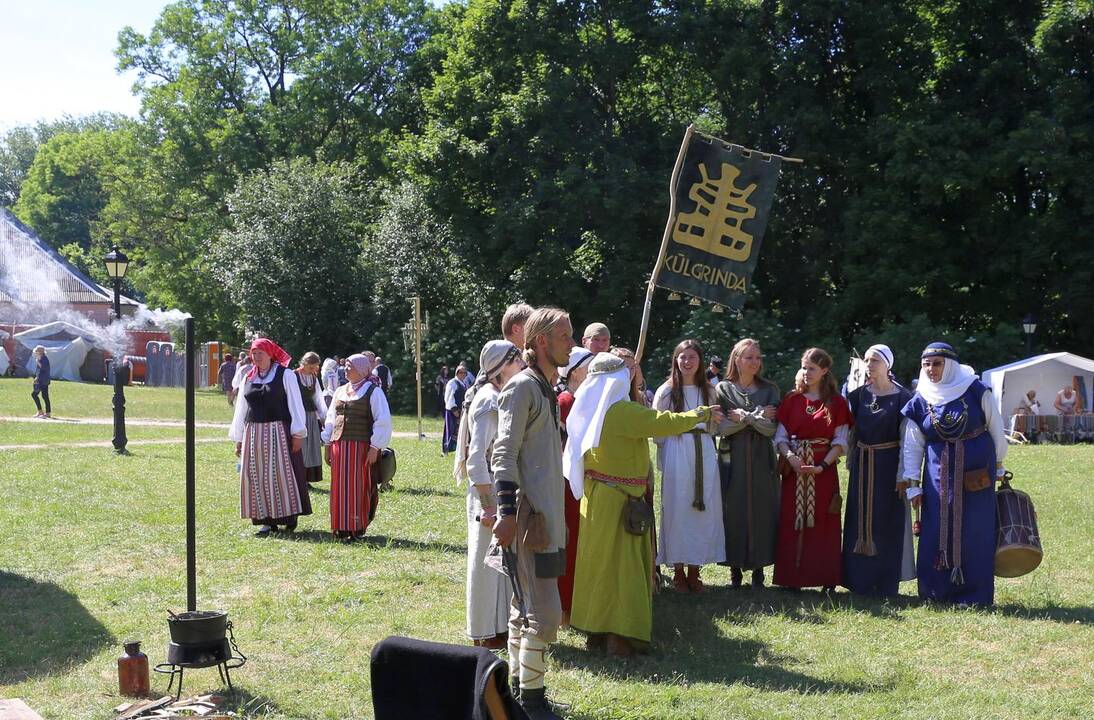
x=691, y=532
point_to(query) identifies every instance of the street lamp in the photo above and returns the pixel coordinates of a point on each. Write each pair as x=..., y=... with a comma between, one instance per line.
x=116, y=265
x=1029, y=326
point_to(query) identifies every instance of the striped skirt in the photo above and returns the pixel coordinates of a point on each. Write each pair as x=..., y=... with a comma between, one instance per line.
x=352, y=490
x=268, y=487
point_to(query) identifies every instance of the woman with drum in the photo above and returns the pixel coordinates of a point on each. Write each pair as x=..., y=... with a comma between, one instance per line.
x=955, y=435
x=877, y=533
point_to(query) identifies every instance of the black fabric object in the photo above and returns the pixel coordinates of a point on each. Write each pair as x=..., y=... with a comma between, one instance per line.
x=42, y=373
x=267, y=402
x=384, y=374
x=307, y=399
x=420, y=679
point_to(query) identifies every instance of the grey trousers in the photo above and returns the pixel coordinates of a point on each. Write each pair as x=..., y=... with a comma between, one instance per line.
x=541, y=600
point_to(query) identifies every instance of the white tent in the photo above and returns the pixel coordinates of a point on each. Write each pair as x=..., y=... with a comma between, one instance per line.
x=4, y=363
x=66, y=346
x=1045, y=374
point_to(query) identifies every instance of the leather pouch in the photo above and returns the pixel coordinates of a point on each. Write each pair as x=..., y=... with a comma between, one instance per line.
x=836, y=504
x=536, y=538
x=976, y=480
x=637, y=516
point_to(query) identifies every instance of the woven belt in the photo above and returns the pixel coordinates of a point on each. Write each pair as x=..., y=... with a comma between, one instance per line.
x=615, y=480
x=952, y=486
x=698, y=503
x=866, y=463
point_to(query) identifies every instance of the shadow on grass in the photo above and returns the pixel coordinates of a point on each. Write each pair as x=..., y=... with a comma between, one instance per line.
x=46, y=630
x=689, y=647
x=239, y=700
x=376, y=541
x=807, y=606
x=396, y=490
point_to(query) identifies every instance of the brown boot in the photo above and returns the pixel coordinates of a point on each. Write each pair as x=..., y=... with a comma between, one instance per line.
x=694, y=583
x=679, y=580
x=619, y=646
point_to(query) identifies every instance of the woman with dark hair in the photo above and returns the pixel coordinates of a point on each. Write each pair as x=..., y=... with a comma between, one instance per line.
x=268, y=426
x=955, y=438
x=692, y=532
x=811, y=436
x=750, y=479
x=309, y=460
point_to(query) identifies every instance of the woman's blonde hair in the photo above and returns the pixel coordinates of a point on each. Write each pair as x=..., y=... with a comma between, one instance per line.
x=310, y=358
x=735, y=354
x=540, y=322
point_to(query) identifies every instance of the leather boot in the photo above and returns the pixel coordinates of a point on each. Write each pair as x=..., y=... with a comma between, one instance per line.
x=534, y=703
x=735, y=577
x=757, y=578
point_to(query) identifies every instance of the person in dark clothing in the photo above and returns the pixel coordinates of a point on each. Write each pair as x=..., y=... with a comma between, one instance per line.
x=439, y=385
x=41, y=382
x=383, y=373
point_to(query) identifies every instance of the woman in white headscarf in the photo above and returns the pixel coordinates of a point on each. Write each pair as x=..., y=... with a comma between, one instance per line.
x=488, y=592
x=877, y=531
x=955, y=435
x=606, y=462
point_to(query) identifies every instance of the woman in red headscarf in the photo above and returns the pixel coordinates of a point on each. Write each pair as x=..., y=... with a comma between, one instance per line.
x=268, y=426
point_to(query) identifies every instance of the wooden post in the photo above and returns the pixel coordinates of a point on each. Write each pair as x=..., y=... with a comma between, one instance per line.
x=664, y=245
x=418, y=358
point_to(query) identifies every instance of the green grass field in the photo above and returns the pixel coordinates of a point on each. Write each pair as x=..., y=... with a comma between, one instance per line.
x=92, y=553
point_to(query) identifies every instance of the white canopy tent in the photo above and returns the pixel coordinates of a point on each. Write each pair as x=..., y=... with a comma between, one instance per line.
x=66, y=346
x=4, y=362
x=1044, y=374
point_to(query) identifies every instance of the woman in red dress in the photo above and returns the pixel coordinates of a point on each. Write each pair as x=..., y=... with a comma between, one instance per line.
x=570, y=378
x=812, y=434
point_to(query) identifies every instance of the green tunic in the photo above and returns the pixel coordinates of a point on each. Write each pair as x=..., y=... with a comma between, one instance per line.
x=614, y=570
x=750, y=481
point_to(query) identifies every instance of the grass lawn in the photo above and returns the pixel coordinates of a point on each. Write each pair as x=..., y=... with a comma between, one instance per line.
x=92, y=553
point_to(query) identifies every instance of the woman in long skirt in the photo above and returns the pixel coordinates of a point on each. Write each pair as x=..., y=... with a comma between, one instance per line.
x=750, y=479
x=310, y=457
x=358, y=428
x=811, y=436
x=268, y=426
x=692, y=533
x=877, y=538
x=454, y=393
x=570, y=379
x=488, y=592
x=955, y=435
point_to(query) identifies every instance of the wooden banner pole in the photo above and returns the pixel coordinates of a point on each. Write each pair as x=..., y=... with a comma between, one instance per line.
x=664, y=245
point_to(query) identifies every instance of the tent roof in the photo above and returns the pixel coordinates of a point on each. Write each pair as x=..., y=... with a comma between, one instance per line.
x=1064, y=357
x=55, y=279
x=49, y=329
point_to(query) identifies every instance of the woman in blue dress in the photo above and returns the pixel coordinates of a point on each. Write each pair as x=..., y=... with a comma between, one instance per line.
x=956, y=435
x=876, y=529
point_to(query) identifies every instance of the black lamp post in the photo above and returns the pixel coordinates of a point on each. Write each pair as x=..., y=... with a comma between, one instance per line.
x=116, y=265
x=1029, y=326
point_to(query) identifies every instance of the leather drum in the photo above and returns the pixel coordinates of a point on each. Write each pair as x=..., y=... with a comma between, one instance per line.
x=1018, y=544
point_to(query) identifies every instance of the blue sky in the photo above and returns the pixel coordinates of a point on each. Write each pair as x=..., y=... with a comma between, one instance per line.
x=57, y=57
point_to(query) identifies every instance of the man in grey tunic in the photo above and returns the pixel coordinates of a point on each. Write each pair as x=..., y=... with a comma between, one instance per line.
x=529, y=486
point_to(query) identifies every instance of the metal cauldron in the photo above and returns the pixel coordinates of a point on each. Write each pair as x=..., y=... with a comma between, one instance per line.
x=198, y=627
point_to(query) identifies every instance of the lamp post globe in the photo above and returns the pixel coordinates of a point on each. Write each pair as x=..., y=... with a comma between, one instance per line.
x=1029, y=326
x=117, y=263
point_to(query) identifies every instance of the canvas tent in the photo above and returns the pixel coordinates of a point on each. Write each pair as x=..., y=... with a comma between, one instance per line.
x=1045, y=374
x=74, y=354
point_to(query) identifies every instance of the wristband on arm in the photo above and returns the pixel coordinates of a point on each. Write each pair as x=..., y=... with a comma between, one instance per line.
x=506, y=490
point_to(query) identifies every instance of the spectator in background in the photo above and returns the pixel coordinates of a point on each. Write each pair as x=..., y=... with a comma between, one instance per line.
x=468, y=376
x=225, y=375
x=242, y=368
x=340, y=369
x=383, y=374
x=439, y=384
x=714, y=370
x=1066, y=404
x=596, y=338
x=328, y=375
x=453, y=403
x=41, y=381
x=512, y=322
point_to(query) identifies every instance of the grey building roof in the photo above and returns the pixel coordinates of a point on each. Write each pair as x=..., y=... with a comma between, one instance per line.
x=33, y=273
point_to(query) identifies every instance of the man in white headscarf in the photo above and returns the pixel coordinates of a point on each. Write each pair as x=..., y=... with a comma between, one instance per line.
x=606, y=462
x=956, y=436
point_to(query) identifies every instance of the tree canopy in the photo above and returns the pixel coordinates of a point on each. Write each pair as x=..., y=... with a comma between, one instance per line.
x=498, y=150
